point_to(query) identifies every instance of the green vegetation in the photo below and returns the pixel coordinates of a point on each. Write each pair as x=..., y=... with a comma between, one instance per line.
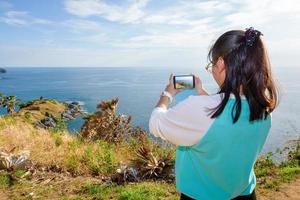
x=270, y=175
x=142, y=191
x=5, y=181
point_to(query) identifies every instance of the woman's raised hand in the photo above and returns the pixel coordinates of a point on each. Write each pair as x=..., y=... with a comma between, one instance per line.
x=199, y=87
x=170, y=87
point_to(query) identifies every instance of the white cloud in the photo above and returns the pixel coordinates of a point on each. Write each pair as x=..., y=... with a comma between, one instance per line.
x=135, y=12
x=86, y=8
x=188, y=13
x=14, y=18
x=15, y=14
x=81, y=24
x=179, y=40
x=21, y=18
x=190, y=24
x=140, y=32
x=263, y=11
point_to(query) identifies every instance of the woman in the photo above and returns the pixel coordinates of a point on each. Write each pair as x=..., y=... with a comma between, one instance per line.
x=219, y=137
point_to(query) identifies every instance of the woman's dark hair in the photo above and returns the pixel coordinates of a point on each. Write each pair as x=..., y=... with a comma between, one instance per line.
x=248, y=67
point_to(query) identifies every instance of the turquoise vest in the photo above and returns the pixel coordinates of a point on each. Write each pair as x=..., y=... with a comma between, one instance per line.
x=220, y=165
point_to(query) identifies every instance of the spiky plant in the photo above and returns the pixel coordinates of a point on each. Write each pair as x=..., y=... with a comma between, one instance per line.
x=151, y=166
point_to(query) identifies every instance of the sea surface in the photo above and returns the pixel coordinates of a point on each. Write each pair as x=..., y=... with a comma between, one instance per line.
x=138, y=90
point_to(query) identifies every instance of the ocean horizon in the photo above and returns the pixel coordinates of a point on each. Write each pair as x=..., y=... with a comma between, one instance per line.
x=138, y=90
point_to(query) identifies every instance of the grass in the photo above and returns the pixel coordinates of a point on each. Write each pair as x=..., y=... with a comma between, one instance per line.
x=5, y=181
x=142, y=191
x=99, y=159
x=7, y=120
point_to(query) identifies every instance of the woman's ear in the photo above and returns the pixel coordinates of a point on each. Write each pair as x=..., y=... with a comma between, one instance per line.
x=221, y=64
x=220, y=73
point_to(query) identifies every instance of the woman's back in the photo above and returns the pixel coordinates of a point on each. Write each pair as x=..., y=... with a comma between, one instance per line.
x=220, y=165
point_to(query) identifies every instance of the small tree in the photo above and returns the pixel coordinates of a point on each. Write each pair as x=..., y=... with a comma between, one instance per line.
x=9, y=102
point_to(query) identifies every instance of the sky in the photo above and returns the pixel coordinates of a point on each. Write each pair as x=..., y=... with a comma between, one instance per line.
x=139, y=33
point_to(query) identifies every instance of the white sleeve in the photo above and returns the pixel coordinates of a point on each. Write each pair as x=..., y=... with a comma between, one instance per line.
x=185, y=123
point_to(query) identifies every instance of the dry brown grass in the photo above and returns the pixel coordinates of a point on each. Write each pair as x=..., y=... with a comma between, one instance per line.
x=40, y=142
x=46, y=147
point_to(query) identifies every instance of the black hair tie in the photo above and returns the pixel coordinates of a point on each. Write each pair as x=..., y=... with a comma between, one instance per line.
x=251, y=36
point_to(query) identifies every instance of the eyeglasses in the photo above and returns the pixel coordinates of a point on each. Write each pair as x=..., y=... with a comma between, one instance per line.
x=209, y=67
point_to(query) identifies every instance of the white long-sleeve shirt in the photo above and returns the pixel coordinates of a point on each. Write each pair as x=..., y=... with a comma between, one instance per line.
x=185, y=123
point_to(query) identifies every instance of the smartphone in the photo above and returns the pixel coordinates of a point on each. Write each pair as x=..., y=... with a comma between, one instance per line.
x=184, y=81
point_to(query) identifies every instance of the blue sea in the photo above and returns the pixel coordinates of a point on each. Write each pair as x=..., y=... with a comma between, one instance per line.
x=138, y=90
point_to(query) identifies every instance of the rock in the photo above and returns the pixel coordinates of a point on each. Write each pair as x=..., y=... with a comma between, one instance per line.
x=125, y=174
x=73, y=110
x=67, y=116
x=49, y=121
x=9, y=161
x=75, y=103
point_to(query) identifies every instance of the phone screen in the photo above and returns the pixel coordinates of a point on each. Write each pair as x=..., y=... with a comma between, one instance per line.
x=184, y=81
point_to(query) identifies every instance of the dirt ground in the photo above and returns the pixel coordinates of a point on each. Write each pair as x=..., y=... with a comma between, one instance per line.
x=287, y=191
x=3, y=196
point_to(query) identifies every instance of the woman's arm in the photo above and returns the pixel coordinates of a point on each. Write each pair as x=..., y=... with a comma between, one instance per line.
x=183, y=124
x=180, y=124
x=163, y=102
